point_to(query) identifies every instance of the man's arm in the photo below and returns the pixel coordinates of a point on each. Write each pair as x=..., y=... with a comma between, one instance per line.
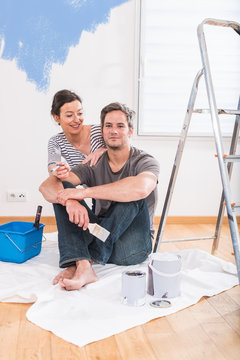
x=77, y=213
x=131, y=188
x=52, y=185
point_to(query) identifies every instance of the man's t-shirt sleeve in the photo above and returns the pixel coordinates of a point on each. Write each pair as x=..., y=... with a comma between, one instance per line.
x=83, y=173
x=148, y=163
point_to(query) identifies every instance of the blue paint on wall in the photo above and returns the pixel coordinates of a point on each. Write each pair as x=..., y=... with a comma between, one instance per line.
x=38, y=33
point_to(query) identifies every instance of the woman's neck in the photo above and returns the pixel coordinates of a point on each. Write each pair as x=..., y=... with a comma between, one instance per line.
x=81, y=140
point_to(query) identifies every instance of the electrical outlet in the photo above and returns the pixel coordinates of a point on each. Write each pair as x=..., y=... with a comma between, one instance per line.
x=16, y=196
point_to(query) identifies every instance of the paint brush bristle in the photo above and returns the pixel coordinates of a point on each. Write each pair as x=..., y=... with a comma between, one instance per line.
x=98, y=231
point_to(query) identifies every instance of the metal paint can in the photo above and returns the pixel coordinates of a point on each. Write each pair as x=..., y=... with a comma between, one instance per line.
x=133, y=288
x=164, y=275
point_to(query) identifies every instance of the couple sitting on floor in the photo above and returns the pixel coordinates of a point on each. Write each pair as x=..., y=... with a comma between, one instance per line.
x=121, y=179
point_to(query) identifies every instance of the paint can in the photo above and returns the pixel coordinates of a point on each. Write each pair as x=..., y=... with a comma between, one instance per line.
x=133, y=288
x=164, y=275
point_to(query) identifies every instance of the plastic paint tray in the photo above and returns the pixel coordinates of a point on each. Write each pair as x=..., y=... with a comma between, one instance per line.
x=20, y=241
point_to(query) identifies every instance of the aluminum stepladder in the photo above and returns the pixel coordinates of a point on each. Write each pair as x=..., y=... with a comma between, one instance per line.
x=225, y=162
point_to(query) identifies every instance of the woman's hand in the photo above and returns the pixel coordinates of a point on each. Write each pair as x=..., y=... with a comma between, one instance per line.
x=94, y=156
x=62, y=170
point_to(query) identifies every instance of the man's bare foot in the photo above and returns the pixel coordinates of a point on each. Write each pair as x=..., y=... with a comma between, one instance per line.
x=84, y=274
x=67, y=273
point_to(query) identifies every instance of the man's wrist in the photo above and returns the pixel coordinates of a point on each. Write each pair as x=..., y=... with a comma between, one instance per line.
x=86, y=192
x=70, y=200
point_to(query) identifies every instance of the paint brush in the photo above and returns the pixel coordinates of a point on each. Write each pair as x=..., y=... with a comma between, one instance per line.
x=37, y=218
x=55, y=168
x=98, y=231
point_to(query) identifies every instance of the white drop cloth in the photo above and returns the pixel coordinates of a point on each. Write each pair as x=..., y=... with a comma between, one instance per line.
x=95, y=311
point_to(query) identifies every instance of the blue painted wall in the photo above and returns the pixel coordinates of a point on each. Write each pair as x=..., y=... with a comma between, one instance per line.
x=38, y=33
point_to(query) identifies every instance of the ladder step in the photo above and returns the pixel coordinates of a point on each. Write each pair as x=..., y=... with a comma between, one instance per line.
x=220, y=111
x=235, y=206
x=230, y=158
x=189, y=239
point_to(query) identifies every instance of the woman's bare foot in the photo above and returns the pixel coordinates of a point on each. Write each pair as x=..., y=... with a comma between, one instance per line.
x=84, y=274
x=67, y=273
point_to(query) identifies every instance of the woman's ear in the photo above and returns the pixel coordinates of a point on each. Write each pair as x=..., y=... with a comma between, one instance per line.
x=56, y=118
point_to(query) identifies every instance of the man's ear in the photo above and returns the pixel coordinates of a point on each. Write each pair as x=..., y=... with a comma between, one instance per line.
x=130, y=132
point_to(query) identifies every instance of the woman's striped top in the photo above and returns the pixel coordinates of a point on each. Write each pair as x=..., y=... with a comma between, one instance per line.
x=59, y=146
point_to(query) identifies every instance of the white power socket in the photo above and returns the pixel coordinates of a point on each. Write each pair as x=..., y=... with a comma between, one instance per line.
x=16, y=196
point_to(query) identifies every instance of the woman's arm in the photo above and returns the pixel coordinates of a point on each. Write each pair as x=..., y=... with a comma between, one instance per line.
x=52, y=185
x=54, y=153
x=97, y=143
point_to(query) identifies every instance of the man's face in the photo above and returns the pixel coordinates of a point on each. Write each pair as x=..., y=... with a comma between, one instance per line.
x=116, y=133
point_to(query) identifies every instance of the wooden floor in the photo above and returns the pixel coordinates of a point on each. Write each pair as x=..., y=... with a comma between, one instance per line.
x=208, y=330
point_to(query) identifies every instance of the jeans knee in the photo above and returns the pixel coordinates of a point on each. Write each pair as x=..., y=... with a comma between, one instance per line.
x=132, y=259
x=67, y=184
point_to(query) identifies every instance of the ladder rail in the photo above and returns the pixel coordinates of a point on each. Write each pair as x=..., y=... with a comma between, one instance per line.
x=232, y=151
x=217, y=131
x=177, y=160
x=219, y=22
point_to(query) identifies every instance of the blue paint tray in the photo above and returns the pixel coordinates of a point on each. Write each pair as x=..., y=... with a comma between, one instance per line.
x=20, y=241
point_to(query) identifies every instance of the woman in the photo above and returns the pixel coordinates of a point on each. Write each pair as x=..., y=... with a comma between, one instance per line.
x=77, y=143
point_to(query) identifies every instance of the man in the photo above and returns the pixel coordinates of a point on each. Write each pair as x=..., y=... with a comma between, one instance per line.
x=123, y=182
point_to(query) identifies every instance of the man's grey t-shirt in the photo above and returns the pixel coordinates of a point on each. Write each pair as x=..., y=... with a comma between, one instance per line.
x=100, y=174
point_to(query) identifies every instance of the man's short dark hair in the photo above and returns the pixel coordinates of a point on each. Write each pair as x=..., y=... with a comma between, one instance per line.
x=118, y=106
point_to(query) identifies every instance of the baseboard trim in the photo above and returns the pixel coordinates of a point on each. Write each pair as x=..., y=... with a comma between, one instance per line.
x=50, y=220
x=192, y=220
x=47, y=220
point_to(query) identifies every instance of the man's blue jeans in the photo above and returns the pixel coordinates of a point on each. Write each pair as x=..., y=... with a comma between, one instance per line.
x=129, y=241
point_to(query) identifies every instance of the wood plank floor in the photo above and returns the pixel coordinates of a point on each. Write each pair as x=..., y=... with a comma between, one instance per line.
x=208, y=330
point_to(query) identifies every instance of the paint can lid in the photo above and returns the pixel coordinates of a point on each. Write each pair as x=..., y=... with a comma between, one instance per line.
x=161, y=303
x=136, y=273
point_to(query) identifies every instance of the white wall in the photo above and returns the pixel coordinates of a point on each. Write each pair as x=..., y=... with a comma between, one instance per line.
x=101, y=69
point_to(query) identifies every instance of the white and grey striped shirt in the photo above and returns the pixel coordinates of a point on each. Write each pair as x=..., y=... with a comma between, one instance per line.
x=59, y=146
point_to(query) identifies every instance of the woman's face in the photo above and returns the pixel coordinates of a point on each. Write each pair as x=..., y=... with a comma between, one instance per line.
x=71, y=117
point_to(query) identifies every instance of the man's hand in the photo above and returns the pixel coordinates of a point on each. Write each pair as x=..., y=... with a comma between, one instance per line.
x=77, y=213
x=66, y=194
